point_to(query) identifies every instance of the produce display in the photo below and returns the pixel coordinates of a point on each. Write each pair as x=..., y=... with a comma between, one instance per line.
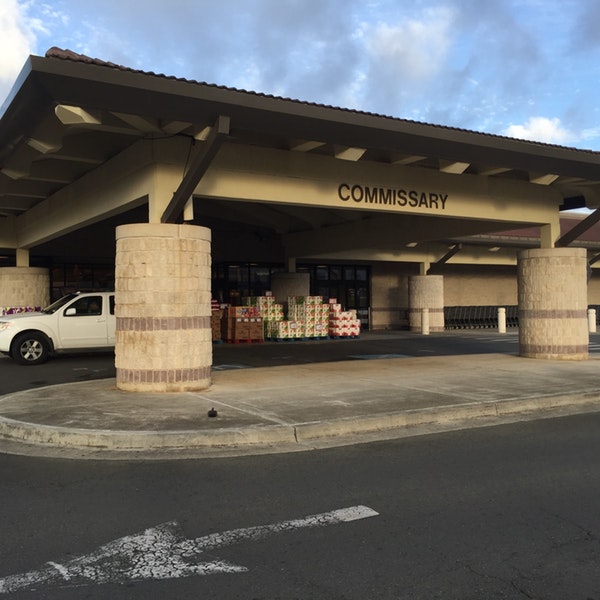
x=262, y=317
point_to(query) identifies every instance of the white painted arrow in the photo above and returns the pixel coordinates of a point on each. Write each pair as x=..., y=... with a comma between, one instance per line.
x=163, y=552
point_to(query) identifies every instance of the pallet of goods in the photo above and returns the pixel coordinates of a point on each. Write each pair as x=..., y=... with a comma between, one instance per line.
x=271, y=312
x=343, y=323
x=310, y=311
x=307, y=318
x=216, y=319
x=242, y=324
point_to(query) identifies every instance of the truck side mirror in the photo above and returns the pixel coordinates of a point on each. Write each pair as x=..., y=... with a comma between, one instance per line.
x=70, y=312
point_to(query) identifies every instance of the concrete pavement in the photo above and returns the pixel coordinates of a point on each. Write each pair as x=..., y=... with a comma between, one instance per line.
x=295, y=407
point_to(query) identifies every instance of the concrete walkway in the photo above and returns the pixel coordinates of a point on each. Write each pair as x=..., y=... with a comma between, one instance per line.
x=294, y=408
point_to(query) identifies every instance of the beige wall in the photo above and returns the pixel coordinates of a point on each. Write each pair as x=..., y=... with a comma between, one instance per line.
x=464, y=285
x=389, y=294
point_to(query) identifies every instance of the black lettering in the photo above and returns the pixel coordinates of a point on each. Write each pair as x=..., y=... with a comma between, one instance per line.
x=357, y=193
x=370, y=195
x=343, y=192
x=386, y=196
x=391, y=196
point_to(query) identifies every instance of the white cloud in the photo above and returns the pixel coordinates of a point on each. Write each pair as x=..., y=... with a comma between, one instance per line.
x=17, y=41
x=541, y=129
x=414, y=48
x=402, y=57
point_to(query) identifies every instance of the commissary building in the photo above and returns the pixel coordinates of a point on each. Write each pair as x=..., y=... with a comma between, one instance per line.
x=178, y=193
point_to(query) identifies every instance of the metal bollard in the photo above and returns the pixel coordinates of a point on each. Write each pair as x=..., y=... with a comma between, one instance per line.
x=501, y=320
x=592, y=320
x=425, y=321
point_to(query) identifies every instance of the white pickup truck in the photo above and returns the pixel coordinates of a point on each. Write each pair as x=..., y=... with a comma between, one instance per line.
x=78, y=321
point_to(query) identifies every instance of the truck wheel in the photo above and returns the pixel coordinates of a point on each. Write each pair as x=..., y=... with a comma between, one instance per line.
x=30, y=349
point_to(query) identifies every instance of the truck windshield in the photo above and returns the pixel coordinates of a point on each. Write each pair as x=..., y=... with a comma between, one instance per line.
x=58, y=304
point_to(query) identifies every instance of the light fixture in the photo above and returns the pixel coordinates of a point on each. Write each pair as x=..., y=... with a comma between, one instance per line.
x=494, y=248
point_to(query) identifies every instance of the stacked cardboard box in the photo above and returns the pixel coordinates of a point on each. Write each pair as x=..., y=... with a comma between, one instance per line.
x=343, y=323
x=285, y=330
x=215, y=324
x=270, y=311
x=242, y=323
x=311, y=311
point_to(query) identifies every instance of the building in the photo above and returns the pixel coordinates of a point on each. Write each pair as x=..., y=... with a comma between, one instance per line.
x=217, y=191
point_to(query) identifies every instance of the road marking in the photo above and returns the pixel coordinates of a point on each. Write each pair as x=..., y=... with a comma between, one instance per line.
x=163, y=552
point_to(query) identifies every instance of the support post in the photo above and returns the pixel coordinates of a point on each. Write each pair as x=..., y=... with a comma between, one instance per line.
x=592, y=320
x=502, y=320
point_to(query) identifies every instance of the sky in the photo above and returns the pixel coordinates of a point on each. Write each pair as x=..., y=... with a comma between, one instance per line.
x=521, y=68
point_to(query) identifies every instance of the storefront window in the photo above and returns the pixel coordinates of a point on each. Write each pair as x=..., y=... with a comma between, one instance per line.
x=322, y=273
x=335, y=273
x=362, y=274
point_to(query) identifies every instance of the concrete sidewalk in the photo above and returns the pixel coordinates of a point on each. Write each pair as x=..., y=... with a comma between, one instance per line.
x=293, y=408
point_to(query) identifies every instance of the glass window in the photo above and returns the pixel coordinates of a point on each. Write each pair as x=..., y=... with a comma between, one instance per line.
x=260, y=277
x=104, y=278
x=350, y=298
x=349, y=274
x=362, y=274
x=362, y=294
x=90, y=305
x=335, y=273
x=234, y=273
x=322, y=272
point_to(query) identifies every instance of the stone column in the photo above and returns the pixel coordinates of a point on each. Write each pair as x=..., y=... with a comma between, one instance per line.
x=426, y=291
x=23, y=287
x=552, y=284
x=163, y=309
x=289, y=284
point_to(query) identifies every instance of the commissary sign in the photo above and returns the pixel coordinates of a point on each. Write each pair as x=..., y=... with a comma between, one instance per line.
x=386, y=196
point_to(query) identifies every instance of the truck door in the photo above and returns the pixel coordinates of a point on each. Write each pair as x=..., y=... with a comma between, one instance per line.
x=84, y=323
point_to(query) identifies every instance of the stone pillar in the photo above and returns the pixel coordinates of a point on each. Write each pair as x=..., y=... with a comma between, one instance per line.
x=163, y=308
x=289, y=284
x=552, y=284
x=23, y=287
x=426, y=291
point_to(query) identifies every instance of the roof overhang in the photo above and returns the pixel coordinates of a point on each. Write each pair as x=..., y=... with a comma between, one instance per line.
x=68, y=114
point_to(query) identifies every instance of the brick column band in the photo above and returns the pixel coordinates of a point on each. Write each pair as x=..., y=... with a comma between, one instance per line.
x=162, y=289
x=24, y=287
x=426, y=291
x=553, y=303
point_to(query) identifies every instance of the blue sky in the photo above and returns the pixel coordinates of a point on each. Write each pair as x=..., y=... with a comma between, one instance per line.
x=522, y=68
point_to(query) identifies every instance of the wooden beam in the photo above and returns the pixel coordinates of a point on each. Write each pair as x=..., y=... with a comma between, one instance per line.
x=198, y=166
x=406, y=160
x=454, y=250
x=456, y=168
x=545, y=179
x=579, y=229
x=305, y=145
x=349, y=153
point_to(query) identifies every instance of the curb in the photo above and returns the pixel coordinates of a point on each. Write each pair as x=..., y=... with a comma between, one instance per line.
x=284, y=438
